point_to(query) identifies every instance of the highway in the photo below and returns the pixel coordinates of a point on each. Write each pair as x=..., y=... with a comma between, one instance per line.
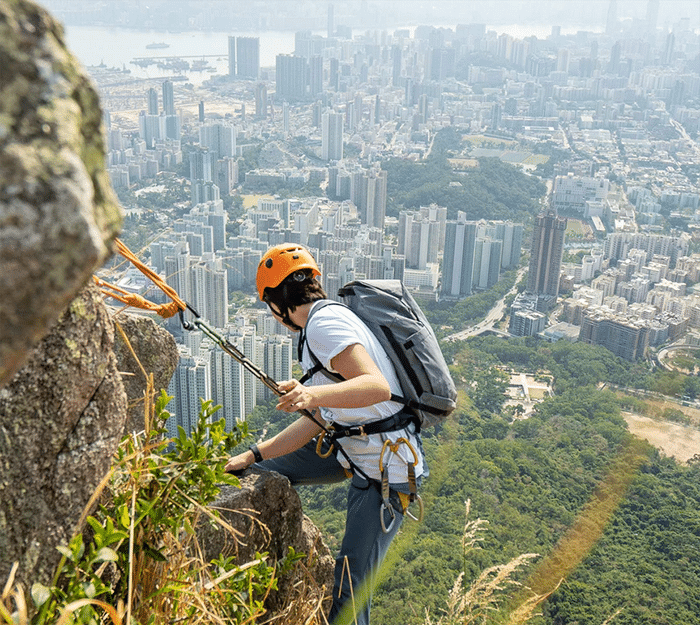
x=492, y=317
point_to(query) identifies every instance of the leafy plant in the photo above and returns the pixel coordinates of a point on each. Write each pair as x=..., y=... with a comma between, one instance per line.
x=136, y=559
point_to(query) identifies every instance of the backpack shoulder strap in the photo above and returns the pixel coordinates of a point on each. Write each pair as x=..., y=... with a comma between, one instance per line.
x=317, y=366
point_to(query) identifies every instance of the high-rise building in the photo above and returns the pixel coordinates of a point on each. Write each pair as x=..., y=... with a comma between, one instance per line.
x=669, y=49
x=315, y=76
x=170, y=127
x=546, y=255
x=511, y=234
x=149, y=128
x=487, y=262
x=226, y=177
x=168, y=98
x=248, y=57
x=219, y=137
x=202, y=164
x=396, y=59
x=231, y=57
x=152, y=101
x=227, y=384
x=375, y=210
x=210, y=291
x=331, y=22
x=261, y=100
x=332, y=136
x=203, y=191
x=419, y=238
x=190, y=382
x=334, y=75
x=458, y=258
x=291, y=78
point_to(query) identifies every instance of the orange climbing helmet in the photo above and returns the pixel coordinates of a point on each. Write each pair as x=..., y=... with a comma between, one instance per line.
x=281, y=261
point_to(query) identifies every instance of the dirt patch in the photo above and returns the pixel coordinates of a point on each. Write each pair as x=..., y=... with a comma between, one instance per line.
x=681, y=442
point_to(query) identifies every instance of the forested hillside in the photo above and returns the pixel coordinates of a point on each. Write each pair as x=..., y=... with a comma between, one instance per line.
x=493, y=190
x=572, y=464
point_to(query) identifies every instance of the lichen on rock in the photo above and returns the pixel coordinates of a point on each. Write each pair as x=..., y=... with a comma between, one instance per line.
x=58, y=212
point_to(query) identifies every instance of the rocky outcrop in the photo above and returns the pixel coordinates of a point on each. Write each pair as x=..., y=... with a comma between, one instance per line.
x=63, y=406
x=266, y=510
x=143, y=349
x=58, y=213
x=61, y=418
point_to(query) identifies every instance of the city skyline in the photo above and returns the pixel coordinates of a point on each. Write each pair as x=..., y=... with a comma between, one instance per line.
x=306, y=150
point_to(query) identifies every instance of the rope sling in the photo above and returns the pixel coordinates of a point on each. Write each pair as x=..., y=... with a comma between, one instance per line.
x=178, y=306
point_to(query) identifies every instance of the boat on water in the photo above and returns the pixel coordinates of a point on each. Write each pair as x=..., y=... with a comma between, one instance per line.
x=157, y=46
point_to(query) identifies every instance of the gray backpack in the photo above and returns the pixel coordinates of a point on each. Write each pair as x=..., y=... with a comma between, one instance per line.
x=394, y=317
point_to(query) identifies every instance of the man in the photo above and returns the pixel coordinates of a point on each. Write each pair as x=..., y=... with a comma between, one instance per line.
x=379, y=463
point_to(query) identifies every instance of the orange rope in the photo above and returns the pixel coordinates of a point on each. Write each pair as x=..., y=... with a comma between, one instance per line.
x=132, y=299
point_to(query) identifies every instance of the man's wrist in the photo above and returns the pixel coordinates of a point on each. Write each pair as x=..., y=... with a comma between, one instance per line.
x=257, y=456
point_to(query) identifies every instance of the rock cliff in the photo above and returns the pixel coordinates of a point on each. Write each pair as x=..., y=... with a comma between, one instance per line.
x=58, y=213
x=67, y=391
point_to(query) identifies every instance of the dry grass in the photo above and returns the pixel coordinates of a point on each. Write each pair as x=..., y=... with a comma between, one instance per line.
x=179, y=587
x=474, y=603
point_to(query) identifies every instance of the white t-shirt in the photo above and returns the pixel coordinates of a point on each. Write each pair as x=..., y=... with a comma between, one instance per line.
x=328, y=332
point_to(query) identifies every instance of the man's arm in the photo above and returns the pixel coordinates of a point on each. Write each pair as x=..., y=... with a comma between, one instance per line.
x=364, y=385
x=290, y=439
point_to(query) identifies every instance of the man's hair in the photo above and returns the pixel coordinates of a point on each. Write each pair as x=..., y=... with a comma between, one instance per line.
x=298, y=288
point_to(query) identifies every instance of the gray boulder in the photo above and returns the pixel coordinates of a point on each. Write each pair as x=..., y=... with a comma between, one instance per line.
x=148, y=349
x=58, y=213
x=61, y=418
x=266, y=510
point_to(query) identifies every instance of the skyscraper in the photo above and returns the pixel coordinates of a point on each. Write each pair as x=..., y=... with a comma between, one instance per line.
x=487, y=261
x=458, y=259
x=168, y=98
x=511, y=235
x=152, y=101
x=611, y=26
x=396, y=59
x=231, y=57
x=334, y=74
x=375, y=211
x=261, y=100
x=248, y=57
x=190, y=382
x=332, y=136
x=331, y=25
x=291, y=78
x=219, y=137
x=315, y=75
x=669, y=48
x=419, y=237
x=202, y=165
x=546, y=255
x=227, y=386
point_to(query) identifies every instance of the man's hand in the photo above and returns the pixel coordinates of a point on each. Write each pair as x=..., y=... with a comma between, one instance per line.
x=238, y=464
x=296, y=397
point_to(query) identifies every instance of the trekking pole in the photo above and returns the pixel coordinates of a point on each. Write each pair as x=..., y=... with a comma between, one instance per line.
x=199, y=324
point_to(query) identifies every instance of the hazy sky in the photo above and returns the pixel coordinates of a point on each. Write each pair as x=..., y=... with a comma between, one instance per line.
x=583, y=14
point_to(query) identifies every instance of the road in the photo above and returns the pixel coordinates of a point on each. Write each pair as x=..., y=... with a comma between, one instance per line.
x=492, y=317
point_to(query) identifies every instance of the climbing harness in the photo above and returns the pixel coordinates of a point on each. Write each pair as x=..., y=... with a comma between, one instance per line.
x=331, y=432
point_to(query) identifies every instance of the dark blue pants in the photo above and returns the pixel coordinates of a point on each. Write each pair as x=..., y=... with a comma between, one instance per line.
x=364, y=545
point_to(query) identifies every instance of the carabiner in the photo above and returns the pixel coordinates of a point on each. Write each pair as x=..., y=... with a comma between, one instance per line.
x=383, y=507
x=319, y=445
x=410, y=515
